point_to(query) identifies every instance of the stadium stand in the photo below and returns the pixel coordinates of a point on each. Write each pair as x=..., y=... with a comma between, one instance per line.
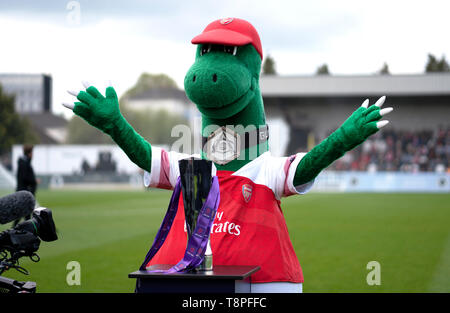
x=404, y=151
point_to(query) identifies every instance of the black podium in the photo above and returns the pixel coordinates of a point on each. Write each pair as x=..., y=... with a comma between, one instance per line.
x=222, y=279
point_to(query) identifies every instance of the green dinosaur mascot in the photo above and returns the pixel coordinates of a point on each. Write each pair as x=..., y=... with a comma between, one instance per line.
x=223, y=82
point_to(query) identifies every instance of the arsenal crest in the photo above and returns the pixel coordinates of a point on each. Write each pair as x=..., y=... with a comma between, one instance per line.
x=247, y=192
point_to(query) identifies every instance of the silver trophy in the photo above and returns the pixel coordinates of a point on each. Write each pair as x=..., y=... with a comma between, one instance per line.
x=196, y=175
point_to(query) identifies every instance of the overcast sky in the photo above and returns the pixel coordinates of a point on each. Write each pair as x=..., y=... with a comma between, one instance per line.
x=118, y=40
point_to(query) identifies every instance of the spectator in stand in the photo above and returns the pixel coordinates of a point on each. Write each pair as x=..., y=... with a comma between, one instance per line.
x=398, y=150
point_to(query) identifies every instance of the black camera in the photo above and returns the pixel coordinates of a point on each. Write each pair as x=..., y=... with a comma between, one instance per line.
x=24, y=240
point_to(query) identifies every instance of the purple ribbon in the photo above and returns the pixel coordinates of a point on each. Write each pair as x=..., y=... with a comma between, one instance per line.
x=197, y=242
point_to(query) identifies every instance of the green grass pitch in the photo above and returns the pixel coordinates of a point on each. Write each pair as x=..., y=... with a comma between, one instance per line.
x=334, y=236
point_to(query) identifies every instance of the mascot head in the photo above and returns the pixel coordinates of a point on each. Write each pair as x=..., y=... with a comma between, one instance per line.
x=223, y=82
x=224, y=78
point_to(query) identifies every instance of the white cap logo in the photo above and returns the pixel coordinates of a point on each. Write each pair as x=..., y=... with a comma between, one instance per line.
x=226, y=20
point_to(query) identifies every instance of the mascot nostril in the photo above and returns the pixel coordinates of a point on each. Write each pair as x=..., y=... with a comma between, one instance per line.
x=249, y=227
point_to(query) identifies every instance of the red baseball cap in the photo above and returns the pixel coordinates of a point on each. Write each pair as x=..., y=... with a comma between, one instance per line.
x=231, y=32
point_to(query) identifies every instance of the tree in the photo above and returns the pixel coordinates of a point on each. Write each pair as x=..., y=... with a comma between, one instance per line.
x=323, y=70
x=384, y=70
x=148, y=81
x=443, y=65
x=269, y=66
x=80, y=132
x=156, y=126
x=432, y=64
x=14, y=129
x=435, y=65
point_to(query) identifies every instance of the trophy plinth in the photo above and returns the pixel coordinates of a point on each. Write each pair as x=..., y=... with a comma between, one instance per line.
x=222, y=279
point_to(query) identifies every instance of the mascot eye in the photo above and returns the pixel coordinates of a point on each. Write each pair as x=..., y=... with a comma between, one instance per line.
x=230, y=49
x=205, y=49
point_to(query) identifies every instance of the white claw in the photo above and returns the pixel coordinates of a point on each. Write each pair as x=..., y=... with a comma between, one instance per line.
x=380, y=101
x=365, y=104
x=386, y=111
x=86, y=84
x=68, y=105
x=73, y=92
x=381, y=124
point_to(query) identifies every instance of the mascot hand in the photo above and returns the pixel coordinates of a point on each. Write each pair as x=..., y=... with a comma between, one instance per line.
x=364, y=122
x=99, y=111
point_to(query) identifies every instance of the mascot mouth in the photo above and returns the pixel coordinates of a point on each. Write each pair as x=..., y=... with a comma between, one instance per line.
x=227, y=110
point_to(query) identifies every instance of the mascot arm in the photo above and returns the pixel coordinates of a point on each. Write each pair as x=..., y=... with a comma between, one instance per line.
x=104, y=114
x=356, y=129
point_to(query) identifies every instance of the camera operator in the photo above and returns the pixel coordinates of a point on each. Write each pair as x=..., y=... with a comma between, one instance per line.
x=26, y=180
